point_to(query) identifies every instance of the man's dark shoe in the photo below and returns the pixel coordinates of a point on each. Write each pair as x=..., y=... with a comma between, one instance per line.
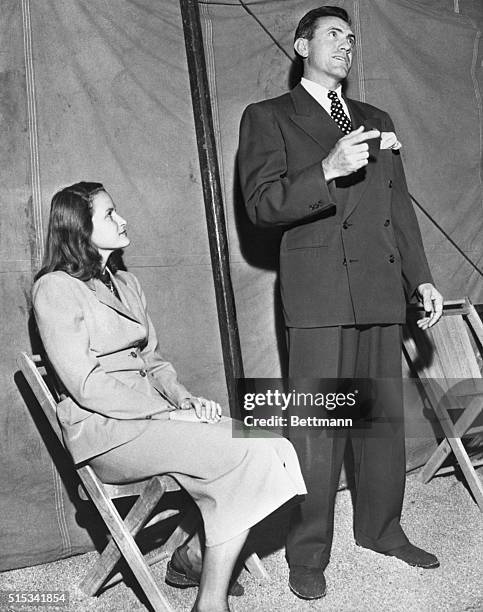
x=412, y=555
x=307, y=582
x=181, y=574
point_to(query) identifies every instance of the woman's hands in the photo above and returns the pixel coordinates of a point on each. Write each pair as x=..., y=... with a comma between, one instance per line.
x=196, y=409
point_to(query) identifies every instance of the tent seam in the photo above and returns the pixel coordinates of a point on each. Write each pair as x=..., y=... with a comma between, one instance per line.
x=33, y=135
x=38, y=228
x=211, y=74
x=360, y=61
x=478, y=100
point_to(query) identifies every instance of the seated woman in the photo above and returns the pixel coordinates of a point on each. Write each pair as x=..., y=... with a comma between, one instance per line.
x=125, y=412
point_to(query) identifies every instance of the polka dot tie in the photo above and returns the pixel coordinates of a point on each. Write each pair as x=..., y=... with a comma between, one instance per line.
x=337, y=113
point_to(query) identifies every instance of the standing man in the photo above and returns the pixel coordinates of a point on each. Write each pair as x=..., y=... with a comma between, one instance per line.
x=327, y=169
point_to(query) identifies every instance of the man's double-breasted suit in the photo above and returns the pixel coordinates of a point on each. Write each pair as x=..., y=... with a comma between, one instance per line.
x=350, y=257
x=350, y=249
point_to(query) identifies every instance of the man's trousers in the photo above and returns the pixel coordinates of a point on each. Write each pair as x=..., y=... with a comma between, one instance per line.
x=378, y=445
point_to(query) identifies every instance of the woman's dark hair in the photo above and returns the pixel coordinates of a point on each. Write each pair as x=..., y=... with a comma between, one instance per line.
x=68, y=246
x=308, y=24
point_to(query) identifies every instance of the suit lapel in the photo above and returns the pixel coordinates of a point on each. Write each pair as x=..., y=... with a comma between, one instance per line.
x=313, y=119
x=105, y=296
x=359, y=181
x=319, y=126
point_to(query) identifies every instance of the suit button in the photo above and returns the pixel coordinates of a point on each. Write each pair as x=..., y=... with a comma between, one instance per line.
x=345, y=225
x=390, y=184
x=142, y=373
x=392, y=259
x=149, y=417
x=387, y=223
x=133, y=354
x=344, y=263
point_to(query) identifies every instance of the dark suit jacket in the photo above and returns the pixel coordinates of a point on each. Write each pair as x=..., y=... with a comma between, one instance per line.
x=352, y=251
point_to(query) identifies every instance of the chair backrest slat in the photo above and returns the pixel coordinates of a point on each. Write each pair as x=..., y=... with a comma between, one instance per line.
x=446, y=352
x=453, y=345
x=32, y=370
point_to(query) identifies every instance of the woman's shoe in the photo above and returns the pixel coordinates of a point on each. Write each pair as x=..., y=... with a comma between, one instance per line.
x=181, y=574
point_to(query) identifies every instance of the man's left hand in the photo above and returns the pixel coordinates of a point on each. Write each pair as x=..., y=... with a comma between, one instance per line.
x=433, y=305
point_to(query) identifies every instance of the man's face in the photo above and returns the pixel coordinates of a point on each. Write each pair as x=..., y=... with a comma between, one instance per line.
x=328, y=55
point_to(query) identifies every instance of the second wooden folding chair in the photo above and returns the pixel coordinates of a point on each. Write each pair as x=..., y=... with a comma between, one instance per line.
x=445, y=358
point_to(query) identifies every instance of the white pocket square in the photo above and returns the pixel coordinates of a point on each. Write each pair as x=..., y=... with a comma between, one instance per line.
x=389, y=141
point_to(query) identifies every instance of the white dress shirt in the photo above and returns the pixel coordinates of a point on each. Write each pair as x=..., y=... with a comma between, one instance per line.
x=319, y=93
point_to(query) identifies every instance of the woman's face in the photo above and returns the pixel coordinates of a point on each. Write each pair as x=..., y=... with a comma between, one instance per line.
x=109, y=228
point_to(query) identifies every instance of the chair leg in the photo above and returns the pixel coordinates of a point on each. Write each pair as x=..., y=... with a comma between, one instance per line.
x=444, y=449
x=459, y=450
x=435, y=461
x=186, y=528
x=255, y=566
x=127, y=545
x=133, y=522
x=468, y=470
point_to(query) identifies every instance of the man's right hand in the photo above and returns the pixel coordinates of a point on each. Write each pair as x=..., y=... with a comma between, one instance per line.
x=350, y=154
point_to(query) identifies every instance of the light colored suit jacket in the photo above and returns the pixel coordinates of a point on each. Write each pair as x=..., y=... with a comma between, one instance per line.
x=106, y=354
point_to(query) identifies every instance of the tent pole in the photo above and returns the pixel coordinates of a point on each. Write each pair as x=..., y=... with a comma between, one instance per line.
x=215, y=216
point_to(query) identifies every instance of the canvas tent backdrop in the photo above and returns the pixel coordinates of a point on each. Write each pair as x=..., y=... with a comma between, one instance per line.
x=99, y=90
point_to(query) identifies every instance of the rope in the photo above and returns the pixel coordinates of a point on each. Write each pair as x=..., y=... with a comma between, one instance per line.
x=264, y=28
x=447, y=236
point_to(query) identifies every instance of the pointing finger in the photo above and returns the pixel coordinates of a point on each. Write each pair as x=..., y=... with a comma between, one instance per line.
x=358, y=136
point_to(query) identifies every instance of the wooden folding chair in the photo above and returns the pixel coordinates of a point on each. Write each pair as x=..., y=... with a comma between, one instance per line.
x=123, y=531
x=445, y=358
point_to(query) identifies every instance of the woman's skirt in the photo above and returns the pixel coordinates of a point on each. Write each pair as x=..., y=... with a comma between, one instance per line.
x=235, y=481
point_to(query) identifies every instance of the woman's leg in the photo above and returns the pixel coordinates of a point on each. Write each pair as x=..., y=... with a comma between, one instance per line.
x=218, y=564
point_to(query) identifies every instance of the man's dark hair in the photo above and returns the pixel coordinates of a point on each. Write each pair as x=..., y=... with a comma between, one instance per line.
x=308, y=24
